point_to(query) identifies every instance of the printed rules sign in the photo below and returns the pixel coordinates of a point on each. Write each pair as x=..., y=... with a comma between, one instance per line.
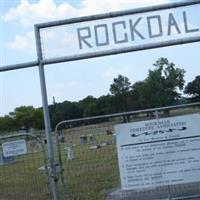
x=159, y=152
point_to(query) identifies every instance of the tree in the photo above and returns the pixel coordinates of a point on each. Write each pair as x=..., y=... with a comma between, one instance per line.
x=105, y=104
x=7, y=124
x=64, y=111
x=120, y=90
x=162, y=86
x=24, y=116
x=89, y=106
x=134, y=96
x=27, y=117
x=38, y=119
x=193, y=89
x=120, y=86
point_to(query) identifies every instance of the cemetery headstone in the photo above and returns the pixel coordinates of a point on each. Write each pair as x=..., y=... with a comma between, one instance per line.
x=83, y=139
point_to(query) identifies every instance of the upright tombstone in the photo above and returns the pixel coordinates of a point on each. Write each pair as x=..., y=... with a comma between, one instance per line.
x=69, y=152
x=83, y=139
x=91, y=138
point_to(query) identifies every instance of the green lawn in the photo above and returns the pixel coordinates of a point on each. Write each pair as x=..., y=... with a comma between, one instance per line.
x=92, y=172
x=88, y=176
x=22, y=180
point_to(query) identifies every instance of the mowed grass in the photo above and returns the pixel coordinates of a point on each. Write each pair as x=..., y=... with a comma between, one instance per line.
x=88, y=176
x=22, y=180
x=92, y=172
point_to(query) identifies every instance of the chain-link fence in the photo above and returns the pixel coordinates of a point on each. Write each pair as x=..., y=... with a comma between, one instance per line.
x=88, y=157
x=24, y=174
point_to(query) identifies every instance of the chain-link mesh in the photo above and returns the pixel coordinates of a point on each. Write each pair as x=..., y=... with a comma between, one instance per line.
x=90, y=161
x=24, y=176
x=88, y=156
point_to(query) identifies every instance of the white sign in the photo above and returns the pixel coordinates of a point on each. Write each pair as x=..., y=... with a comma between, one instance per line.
x=14, y=148
x=159, y=152
x=120, y=33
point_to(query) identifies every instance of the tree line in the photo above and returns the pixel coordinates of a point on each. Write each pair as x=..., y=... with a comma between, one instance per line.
x=164, y=86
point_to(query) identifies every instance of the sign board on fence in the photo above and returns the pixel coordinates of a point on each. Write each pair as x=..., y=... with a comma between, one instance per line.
x=129, y=31
x=159, y=152
x=14, y=148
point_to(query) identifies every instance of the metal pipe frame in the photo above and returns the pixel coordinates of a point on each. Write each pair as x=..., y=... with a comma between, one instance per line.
x=19, y=66
x=102, y=53
x=46, y=116
x=127, y=113
x=41, y=62
x=122, y=50
x=118, y=13
x=112, y=51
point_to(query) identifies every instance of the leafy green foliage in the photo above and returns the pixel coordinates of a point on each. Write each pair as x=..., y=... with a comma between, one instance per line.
x=193, y=89
x=120, y=86
x=120, y=89
x=162, y=87
x=23, y=118
x=7, y=123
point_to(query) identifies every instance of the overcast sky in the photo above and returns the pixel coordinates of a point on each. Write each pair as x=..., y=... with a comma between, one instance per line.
x=75, y=80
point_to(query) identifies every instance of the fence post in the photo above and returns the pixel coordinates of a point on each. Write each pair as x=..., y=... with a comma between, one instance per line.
x=46, y=115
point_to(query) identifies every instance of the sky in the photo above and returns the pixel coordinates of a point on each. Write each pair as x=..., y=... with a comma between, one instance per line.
x=75, y=80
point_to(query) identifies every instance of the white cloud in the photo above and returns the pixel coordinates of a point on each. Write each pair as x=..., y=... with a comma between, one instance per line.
x=26, y=14
x=23, y=42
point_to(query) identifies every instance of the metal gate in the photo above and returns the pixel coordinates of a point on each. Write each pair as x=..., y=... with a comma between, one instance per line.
x=88, y=158
x=93, y=138
x=24, y=173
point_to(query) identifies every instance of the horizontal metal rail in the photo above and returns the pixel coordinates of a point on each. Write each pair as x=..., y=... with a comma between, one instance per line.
x=21, y=135
x=118, y=13
x=127, y=113
x=102, y=53
x=19, y=66
x=122, y=50
x=112, y=51
x=191, y=197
